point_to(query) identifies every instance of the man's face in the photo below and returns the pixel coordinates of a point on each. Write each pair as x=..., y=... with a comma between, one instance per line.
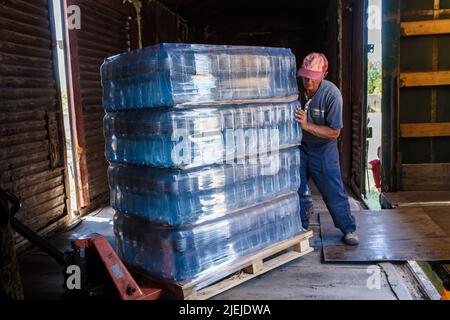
x=310, y=84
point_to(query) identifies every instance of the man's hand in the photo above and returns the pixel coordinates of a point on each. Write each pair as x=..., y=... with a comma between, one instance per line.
x=301, y=117
x=317, y=130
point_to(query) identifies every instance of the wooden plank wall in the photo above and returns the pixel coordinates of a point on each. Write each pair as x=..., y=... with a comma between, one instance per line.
x=31, y=154
x=426, y=176
x=424, y=113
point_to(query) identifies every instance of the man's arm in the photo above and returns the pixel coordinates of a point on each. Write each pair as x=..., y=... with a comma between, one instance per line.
x=315, y=129
x=322, y=131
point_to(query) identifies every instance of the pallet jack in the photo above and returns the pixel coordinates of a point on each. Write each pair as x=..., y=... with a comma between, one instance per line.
x=103, y=274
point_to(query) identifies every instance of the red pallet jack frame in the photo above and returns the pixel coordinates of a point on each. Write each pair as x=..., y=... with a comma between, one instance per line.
x=97, y=246
x=102, y=272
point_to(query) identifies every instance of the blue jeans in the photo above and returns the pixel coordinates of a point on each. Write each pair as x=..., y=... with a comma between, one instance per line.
x=322, y=165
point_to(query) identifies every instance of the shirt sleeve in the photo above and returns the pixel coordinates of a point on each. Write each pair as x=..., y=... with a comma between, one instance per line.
x=333, y=114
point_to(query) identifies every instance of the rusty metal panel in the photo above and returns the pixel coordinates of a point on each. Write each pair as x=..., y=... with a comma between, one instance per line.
x=31, y=149
x=105, y=31
x=354, y=93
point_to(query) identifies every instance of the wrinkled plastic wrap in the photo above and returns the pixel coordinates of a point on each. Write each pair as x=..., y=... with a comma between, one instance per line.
x=206, y=252
x=184, y=74
x=197, y=137
x=204, y=161
x=181, y=197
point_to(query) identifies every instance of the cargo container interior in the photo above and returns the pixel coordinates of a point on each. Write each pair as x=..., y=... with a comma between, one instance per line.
x=302, y=26
x=54, y=159
x=335, y=28
x=34, y=161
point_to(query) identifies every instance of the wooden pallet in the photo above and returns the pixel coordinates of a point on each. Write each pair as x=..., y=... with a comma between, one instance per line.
x=243, y=270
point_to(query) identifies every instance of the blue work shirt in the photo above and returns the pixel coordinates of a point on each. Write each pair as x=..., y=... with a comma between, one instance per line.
x=324, y=109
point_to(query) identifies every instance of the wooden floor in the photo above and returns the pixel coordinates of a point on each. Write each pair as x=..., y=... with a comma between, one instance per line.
x=304, y=278
x=441, y=216
x=402, y=234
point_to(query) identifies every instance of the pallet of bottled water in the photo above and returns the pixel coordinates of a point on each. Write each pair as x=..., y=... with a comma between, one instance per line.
x=175, y=197
x=204, y=160
x=175, y=75
x=196, y=137
x=205, y=250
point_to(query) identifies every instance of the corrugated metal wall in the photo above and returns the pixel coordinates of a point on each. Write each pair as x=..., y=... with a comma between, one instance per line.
x=31, y=157
x=162, y=24
x=105, y=31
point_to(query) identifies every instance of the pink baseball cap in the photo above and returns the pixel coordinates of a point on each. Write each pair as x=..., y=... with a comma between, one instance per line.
x=314, y=66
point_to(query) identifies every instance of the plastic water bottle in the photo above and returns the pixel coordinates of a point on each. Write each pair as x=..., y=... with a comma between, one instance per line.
x=183, y=197
x=184, y=74
x=183, y=254
x=199, y=136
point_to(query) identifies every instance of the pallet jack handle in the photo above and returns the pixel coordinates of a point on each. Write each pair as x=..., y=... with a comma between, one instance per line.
x=29, y=234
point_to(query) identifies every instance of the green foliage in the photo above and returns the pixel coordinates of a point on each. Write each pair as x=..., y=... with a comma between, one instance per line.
x=374, y=77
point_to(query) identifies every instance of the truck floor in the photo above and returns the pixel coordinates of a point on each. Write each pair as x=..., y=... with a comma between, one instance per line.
x=304, y=278
x=308, y=278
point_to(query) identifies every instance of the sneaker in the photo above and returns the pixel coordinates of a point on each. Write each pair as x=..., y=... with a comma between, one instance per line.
x=351, y=239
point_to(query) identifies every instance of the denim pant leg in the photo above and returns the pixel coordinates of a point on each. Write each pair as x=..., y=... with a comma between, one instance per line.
x=303, y=191
x=326, y=173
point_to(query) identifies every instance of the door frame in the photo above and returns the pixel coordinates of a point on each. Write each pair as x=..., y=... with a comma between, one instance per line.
x=353, y=50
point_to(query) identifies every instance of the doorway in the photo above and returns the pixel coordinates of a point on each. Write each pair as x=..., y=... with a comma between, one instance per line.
x=374, y=93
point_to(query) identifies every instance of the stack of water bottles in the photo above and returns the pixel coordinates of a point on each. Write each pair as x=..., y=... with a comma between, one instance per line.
x=203, y=151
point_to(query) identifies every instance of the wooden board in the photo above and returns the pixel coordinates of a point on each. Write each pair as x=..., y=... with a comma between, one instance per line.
x=420, y=130
x=425, y=27
x=240, y=271
x=441, y=216
x=417, y=198
x=421, y=79
x=402, y=234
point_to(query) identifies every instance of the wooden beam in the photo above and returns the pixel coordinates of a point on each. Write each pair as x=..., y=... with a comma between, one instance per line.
x=421, y=79
x=419, y=130
x=416, y=13
x=76, y=111
x=425, y=27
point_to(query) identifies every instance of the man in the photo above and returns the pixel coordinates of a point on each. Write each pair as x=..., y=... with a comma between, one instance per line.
x=320, y=116
x=375, y=166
